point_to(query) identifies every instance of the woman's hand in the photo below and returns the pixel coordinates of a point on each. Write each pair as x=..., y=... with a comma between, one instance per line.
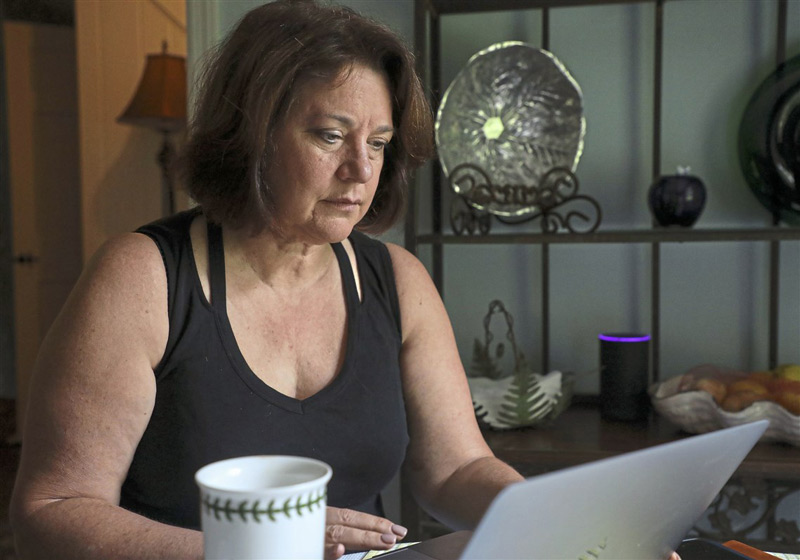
x=354, y=530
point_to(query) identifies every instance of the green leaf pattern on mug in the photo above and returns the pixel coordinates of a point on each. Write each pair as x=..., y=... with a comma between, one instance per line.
x=243, y=510
x=594, y=554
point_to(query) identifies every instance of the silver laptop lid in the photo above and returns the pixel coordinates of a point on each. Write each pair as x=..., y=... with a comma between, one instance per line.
x=635, y=506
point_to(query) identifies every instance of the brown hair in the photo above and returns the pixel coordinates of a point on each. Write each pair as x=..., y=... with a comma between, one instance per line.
x=251, y=79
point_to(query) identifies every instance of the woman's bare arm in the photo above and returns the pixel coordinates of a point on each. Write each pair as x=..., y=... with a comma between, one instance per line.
x=452, y=471
x=92, y=395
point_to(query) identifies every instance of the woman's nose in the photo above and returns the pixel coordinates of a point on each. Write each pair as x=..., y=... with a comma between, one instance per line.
x=356, y=167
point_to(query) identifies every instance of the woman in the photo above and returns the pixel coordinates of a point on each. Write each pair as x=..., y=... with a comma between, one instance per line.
x=264, y=321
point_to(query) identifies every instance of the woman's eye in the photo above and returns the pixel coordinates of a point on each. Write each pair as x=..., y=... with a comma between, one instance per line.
x=329, y=137
x=379, y=145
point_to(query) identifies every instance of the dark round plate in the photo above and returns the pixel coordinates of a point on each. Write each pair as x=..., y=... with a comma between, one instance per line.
x=769, y=142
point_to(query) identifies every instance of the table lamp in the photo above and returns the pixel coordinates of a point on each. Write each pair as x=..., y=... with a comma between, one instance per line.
x=160, y=103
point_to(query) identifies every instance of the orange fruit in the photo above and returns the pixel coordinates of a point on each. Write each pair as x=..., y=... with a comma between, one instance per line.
x=785, y=386
x=715, y=387
x=748, y=386
x=764, y=377
x=789, y=401
x=735, y=402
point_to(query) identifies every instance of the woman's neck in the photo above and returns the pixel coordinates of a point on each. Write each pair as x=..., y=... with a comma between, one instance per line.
x=271, y=260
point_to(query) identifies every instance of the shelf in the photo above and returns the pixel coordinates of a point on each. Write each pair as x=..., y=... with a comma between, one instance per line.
x=471, y=6
x=767, y=478
x=580, y=435
x=428, y=45
x=657, y=235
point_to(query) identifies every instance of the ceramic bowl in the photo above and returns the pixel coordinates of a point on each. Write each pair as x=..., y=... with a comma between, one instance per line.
x=512, y=403
x=697, y=412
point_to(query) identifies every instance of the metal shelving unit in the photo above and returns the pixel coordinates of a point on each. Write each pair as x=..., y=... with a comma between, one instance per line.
x=427, y=28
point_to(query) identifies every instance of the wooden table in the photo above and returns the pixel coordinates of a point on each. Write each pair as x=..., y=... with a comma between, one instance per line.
x=580, y=435
x=760, y=505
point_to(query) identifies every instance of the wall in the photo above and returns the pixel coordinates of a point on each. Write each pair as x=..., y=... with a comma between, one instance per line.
x=120, y=177
x=714, y=296
x=715, y=54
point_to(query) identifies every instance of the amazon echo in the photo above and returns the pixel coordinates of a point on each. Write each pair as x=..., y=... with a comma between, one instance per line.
x=624, y=376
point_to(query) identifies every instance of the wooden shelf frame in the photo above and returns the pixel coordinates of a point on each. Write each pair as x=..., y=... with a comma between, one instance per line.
x=444, y=7
x=654, y=235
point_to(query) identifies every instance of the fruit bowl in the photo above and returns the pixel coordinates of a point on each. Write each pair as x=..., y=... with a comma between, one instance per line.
x=698, y=410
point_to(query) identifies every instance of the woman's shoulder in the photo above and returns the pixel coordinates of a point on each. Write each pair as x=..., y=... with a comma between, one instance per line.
x=406, y=267
x=122, y=289
x=134, y=262
x=142, y=249
x=124, y=258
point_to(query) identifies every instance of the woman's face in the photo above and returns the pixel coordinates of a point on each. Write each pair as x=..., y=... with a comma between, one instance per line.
x=329, y=156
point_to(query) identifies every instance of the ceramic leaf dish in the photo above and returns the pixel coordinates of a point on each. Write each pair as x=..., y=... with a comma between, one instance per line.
x=522, y=400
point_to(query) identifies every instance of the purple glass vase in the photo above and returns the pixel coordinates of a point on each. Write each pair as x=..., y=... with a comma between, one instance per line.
x=677, y=200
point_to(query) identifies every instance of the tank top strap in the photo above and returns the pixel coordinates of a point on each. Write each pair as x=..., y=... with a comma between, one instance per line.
x=348, y=275
x=216, y=267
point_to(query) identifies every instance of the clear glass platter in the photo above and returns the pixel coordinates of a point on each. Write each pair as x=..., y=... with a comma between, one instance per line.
x=512, y=114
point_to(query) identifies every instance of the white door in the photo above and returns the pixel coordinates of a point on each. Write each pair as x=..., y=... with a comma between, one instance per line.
x=7, y=379
x=45, y=183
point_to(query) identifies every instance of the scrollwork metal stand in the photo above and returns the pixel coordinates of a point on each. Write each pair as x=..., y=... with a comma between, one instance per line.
x=747, y=510
x=553, y=201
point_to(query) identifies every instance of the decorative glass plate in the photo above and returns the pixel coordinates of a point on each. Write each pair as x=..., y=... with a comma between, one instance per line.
x=769, y=142
x=512, y=114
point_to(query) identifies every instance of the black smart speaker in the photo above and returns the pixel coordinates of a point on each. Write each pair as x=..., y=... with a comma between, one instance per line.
x=624, y=376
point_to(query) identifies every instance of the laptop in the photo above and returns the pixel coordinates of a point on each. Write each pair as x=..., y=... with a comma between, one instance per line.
x=636, y=506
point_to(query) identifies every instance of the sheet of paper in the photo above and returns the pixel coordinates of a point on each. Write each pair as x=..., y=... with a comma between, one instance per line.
x=376, y=553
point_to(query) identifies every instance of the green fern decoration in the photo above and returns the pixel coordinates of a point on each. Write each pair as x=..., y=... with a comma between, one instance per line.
x=243, y=510
x=510, y=400
x=525, y=403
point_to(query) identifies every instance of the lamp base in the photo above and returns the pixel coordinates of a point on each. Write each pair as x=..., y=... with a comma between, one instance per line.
x=165, y=159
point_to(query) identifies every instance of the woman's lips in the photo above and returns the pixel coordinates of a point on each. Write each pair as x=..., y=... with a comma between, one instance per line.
x=345, y=203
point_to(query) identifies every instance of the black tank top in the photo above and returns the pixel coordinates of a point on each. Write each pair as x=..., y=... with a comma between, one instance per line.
x=210, y=405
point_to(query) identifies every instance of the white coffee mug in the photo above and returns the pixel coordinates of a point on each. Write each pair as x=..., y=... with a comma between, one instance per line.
x=263, y=507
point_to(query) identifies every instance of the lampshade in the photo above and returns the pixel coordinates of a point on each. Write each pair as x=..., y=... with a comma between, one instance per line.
x=160, y=99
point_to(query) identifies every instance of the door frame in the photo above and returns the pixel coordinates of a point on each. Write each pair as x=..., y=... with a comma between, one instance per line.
x=58, y=12
x=8, y=384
